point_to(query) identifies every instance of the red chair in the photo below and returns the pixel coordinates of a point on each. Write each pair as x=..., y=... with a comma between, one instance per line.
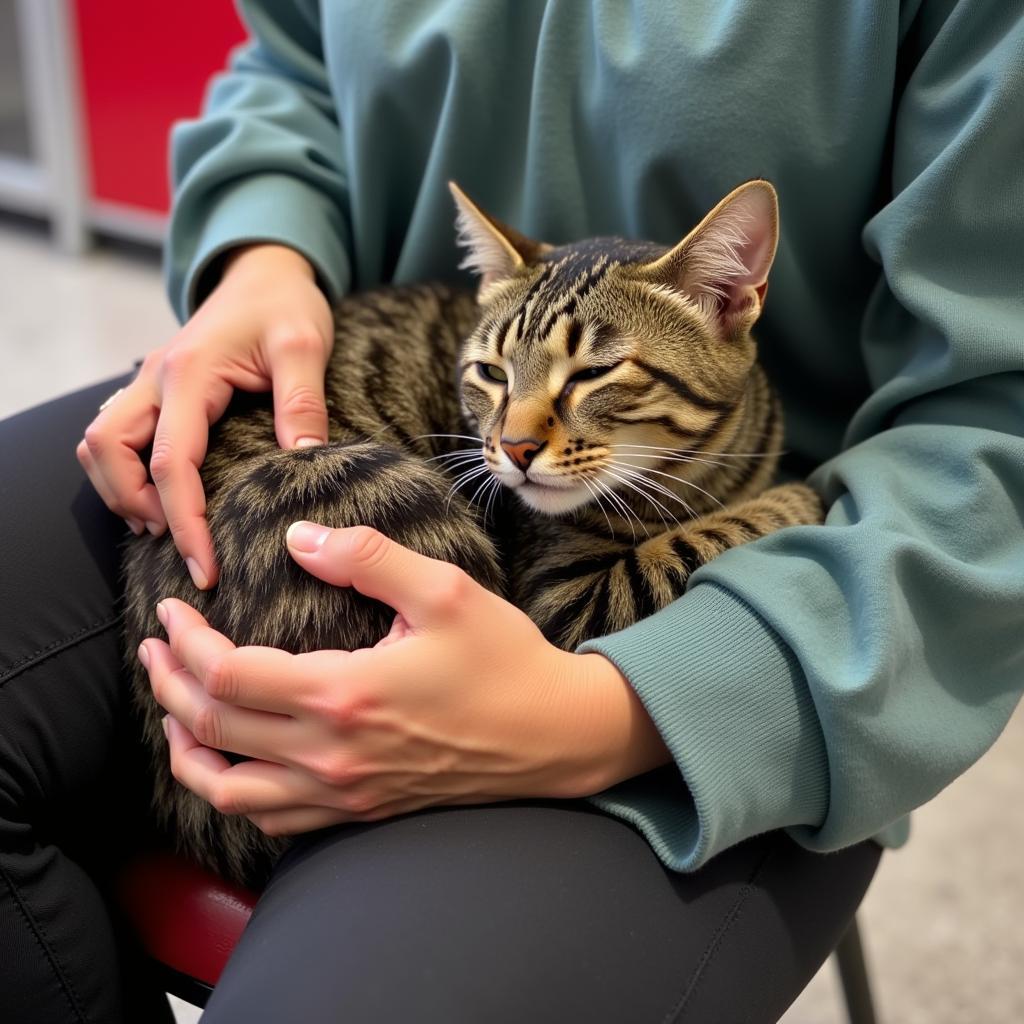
x=187, y=918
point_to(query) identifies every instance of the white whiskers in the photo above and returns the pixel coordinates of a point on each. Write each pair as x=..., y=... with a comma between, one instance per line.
x=458, y=437
x=633, y=486
x=597, y=500
x=467, y=476
x=675, y=479
x=697, y=451
x=659, y=488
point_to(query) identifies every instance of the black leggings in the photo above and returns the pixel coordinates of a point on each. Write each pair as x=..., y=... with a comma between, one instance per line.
x=533, y=911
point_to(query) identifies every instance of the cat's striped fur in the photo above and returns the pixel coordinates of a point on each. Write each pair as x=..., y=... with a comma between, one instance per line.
x=632, y=421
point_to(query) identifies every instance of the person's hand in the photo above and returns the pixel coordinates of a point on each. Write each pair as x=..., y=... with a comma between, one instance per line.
x=463, y=702
x=266, y=326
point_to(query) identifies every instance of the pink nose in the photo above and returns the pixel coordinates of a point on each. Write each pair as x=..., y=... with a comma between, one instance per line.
x=522, y=453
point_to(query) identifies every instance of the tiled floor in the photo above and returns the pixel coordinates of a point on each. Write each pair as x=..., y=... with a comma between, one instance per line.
x=944, y=920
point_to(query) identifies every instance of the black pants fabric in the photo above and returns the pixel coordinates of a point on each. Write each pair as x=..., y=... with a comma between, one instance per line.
x=538, y=911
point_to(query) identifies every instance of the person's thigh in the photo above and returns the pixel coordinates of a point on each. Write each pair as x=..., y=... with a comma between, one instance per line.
x=537, y=912
x=72, y=794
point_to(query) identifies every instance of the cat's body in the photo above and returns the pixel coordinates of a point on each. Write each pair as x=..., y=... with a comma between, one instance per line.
x=653, y=458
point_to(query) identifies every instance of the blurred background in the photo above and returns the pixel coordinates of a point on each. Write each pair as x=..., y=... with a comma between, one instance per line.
x=88, y=91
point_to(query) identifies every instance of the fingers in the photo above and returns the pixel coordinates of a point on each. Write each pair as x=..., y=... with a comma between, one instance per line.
x=297, y=820
x=179, y=447
x=277, y=799
x=423, y=590
x=246, y=788
x=109, y=454
x=221, y=726
x=262, y=678
x=298, y=363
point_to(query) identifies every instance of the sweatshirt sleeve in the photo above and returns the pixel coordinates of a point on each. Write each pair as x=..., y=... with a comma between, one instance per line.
x=263, y=162
x=827, y=680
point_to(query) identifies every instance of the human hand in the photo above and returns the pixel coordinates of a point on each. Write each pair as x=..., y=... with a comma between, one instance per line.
x=265, y=326
x=463, y=702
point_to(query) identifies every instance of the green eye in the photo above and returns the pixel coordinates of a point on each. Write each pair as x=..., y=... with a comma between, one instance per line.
x=492, y=372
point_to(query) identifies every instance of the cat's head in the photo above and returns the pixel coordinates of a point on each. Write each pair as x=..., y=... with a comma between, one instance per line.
x=588, y=355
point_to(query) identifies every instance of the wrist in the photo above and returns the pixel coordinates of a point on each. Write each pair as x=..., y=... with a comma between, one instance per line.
x=618, y=739
x=266, y=258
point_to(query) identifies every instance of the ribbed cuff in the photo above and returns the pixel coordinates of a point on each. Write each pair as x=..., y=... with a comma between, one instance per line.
x=732, y=704
x=260, y=208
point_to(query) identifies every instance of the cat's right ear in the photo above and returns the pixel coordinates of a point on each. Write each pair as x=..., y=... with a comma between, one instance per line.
x=494, y=251
x=723, y=263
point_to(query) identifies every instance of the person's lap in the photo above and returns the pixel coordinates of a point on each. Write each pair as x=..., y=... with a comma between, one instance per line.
x=539, y=911
x=535, y=911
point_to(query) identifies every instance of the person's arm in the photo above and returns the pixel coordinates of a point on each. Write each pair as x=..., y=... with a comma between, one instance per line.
x=264, y=162
x=827, y=680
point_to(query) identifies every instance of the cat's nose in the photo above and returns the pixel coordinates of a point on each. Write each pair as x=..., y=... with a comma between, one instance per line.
x=522, y=453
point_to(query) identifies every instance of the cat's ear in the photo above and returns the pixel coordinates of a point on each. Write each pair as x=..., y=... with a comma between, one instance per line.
x=723, y=263
x=494, y=251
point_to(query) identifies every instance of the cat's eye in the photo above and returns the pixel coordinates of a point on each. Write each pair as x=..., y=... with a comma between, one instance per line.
x=492, y=372
x=591, y=372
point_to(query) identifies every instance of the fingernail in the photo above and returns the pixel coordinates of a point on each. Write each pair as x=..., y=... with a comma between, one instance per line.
x=135, y=525
x=154, y=528
x=162, y=613
x=166, y=727
x=143, y=655
x=308, y=442
x=198, y=576
x=308, y=537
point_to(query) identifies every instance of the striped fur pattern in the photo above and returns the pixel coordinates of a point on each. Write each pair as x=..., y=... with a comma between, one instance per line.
x=625, y=412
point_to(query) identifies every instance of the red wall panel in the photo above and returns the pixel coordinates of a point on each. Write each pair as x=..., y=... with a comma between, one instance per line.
x=145, y=65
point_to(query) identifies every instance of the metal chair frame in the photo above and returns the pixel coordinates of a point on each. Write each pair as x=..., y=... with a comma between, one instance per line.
x=853, y=976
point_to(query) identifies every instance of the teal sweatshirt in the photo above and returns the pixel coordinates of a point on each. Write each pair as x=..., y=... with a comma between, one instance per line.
x=824, y=680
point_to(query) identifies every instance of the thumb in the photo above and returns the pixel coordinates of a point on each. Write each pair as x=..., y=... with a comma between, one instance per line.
x=417, y=587
x=300, y=408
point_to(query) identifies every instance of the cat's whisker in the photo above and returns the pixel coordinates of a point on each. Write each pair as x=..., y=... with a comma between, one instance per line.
x=642, y=471
x=465, y=459
x=460, y=437
x=469, y=474
x=678, y=480
x=660, y=488
x=621, y=509
x=452, y=455
x=647, y=489
x=673, y=458
x=630, y=513
x=467, y=477
x=659, y=508
x=657, y=487
x=453, y=437
x=698, y=451
x=597, y=501
x=492, y=495
x=481, y=490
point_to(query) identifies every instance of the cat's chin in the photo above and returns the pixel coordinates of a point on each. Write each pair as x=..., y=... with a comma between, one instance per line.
x=553, y=501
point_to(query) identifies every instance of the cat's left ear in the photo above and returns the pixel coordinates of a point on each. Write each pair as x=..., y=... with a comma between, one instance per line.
x=723, y=263
x=494, y=251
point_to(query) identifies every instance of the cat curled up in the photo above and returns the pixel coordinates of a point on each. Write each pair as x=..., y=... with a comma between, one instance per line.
x=579, y=436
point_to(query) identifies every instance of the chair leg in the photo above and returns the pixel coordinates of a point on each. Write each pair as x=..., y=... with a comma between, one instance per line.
x=853, y=974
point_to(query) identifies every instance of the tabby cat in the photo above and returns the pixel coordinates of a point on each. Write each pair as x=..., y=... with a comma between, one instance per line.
x=610, y=386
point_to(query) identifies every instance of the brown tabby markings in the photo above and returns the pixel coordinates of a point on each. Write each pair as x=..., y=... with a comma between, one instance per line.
x=662, y=462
